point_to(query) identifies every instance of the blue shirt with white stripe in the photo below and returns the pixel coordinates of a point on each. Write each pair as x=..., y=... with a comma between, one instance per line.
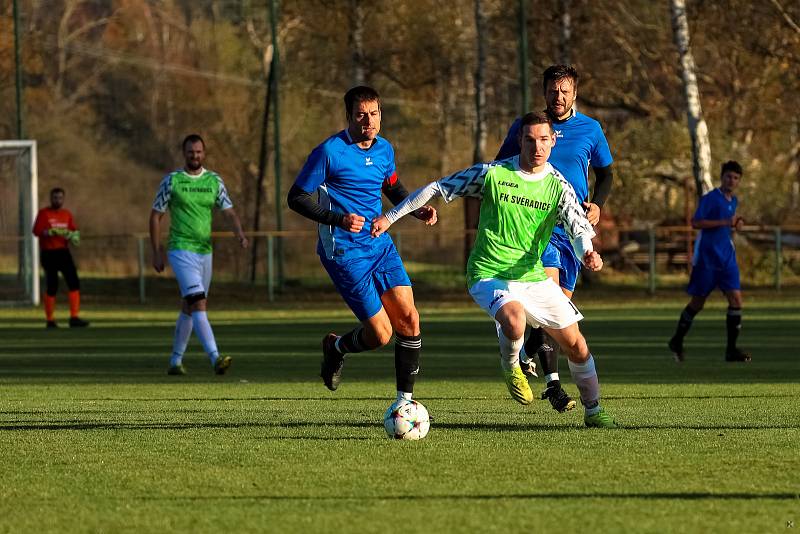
x=714, y=246
x=349, y=179
x=580, y=142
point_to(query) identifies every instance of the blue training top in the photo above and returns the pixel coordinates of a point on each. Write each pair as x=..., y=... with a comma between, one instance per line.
x=714, y=246
x=349, y=179
x=580, y=142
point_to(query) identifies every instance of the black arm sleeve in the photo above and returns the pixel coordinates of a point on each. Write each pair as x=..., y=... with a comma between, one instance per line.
x=395, y=193
x=603, y=176
x=301, y=202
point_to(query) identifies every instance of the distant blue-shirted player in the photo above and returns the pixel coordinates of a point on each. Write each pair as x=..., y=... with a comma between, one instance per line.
x=348, y=172
x=714, y=262
x=580, y=143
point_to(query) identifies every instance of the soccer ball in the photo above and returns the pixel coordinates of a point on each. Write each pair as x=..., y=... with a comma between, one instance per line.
x=406, y=419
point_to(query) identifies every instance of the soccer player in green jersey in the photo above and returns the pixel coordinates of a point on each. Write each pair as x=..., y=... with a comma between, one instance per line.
x=191, y=194
x=522, y=199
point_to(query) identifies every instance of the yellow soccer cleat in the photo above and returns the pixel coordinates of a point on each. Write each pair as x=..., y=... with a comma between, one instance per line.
x=518, y=385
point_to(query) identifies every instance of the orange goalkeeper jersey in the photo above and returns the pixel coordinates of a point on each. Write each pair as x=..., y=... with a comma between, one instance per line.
x=48, y=218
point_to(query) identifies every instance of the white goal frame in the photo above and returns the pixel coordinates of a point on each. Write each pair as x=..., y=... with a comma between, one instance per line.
x=27, y=167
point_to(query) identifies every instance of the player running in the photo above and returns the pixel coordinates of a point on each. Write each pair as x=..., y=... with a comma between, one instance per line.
x=581, y=143
x=522, y=199
x=714, y=262
x=191, y=194
x=348, y=172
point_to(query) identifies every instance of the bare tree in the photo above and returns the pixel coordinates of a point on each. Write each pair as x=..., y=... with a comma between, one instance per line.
x=472, y=205
x=698, y=130
x=566, y=32
x=356, y=42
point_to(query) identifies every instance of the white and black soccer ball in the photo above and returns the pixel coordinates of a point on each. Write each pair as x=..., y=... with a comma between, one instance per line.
x=406, y=419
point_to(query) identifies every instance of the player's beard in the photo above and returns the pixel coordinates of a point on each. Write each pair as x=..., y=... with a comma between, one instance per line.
x=193, y=165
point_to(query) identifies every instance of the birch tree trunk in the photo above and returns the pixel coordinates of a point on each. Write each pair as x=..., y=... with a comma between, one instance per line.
x=698, y=130
x=472, y=206
x=356, y=41
x=565, y=33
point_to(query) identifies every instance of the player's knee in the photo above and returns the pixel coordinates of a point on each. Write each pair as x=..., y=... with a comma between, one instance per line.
x=512, y=321
x=196, y=301
x=576, y=348
x=408, y=323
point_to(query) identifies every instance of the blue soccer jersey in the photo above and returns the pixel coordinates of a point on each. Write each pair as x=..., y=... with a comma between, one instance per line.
x=714, y=246
x=580, y=142
x=349, y=179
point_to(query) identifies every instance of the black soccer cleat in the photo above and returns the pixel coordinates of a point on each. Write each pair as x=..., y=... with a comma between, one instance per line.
x=737, y=355
x=676, y=346
x=332, y=363
x=77, y=322
x=559, y=399
x=52, y=324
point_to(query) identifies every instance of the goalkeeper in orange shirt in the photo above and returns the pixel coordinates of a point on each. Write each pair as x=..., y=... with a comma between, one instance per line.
x=56, y=230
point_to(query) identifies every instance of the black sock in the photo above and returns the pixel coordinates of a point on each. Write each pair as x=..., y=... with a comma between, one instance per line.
x=352, y=342
x=548, y=358
x=406, y=361
x=685, y=322
x=734, y=323
x=534, y=342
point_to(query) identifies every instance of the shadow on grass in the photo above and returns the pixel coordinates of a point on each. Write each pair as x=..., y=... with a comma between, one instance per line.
x=557, y=496
x=469, y=426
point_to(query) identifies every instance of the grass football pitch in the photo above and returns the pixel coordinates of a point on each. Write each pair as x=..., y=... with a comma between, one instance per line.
x=97, y=438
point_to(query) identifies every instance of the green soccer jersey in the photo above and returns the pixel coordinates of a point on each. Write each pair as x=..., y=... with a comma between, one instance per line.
x=517, y=216
x=191, y=200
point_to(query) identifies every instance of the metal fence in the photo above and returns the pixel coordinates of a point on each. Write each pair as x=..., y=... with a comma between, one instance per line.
x=645, y=257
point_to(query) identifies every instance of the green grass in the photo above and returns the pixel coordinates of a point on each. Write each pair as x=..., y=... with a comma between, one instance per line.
x=96, y=437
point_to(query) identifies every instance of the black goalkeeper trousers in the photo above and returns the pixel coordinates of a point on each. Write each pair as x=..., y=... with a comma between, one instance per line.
x=57, y=260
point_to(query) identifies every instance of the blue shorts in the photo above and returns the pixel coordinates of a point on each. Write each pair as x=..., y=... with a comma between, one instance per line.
x=362, y=279
x=704, y=279
x=560, y=255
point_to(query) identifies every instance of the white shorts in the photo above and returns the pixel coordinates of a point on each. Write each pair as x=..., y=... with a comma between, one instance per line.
x=544, y=303
x=192, y=270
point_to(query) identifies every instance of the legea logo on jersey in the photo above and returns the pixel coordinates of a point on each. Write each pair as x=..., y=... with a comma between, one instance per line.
x=368, y=161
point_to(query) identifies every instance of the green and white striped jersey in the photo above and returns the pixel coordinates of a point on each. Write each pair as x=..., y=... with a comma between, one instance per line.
x=191, y=200
x=517, y=216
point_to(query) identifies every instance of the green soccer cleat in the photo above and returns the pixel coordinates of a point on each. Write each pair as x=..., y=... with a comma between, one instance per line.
x=600, y=420
x=177, y=370
x=222, y=364
x=518, y=385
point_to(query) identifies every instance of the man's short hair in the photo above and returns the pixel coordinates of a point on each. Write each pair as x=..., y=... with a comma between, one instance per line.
x=731, y=166
x=535, y=117
x=57, y=190
x=558, y=72
x=192, y=138
x=360, y=93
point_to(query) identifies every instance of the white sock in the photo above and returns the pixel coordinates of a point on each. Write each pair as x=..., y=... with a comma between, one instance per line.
x=522, y=356
x=403, y=395
x=203, y=330
x=549, y=378
x=183, y=330
x=585, y=377
x=509, y=350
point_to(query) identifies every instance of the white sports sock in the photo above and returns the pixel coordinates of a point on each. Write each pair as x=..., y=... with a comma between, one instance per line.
x=403, y=395
x=552, y=376
x=585, y=377
x=183, y=330
x=509, y=350
x=523, y=357
x=203, y=330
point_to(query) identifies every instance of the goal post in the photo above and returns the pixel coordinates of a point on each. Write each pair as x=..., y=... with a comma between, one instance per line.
x=19, y=249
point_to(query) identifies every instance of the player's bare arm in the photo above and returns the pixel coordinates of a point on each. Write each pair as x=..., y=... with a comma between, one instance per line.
x=236, y=226
x=155, y=240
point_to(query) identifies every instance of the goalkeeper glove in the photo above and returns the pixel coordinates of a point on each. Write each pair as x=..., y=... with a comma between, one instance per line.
x=74, y=237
